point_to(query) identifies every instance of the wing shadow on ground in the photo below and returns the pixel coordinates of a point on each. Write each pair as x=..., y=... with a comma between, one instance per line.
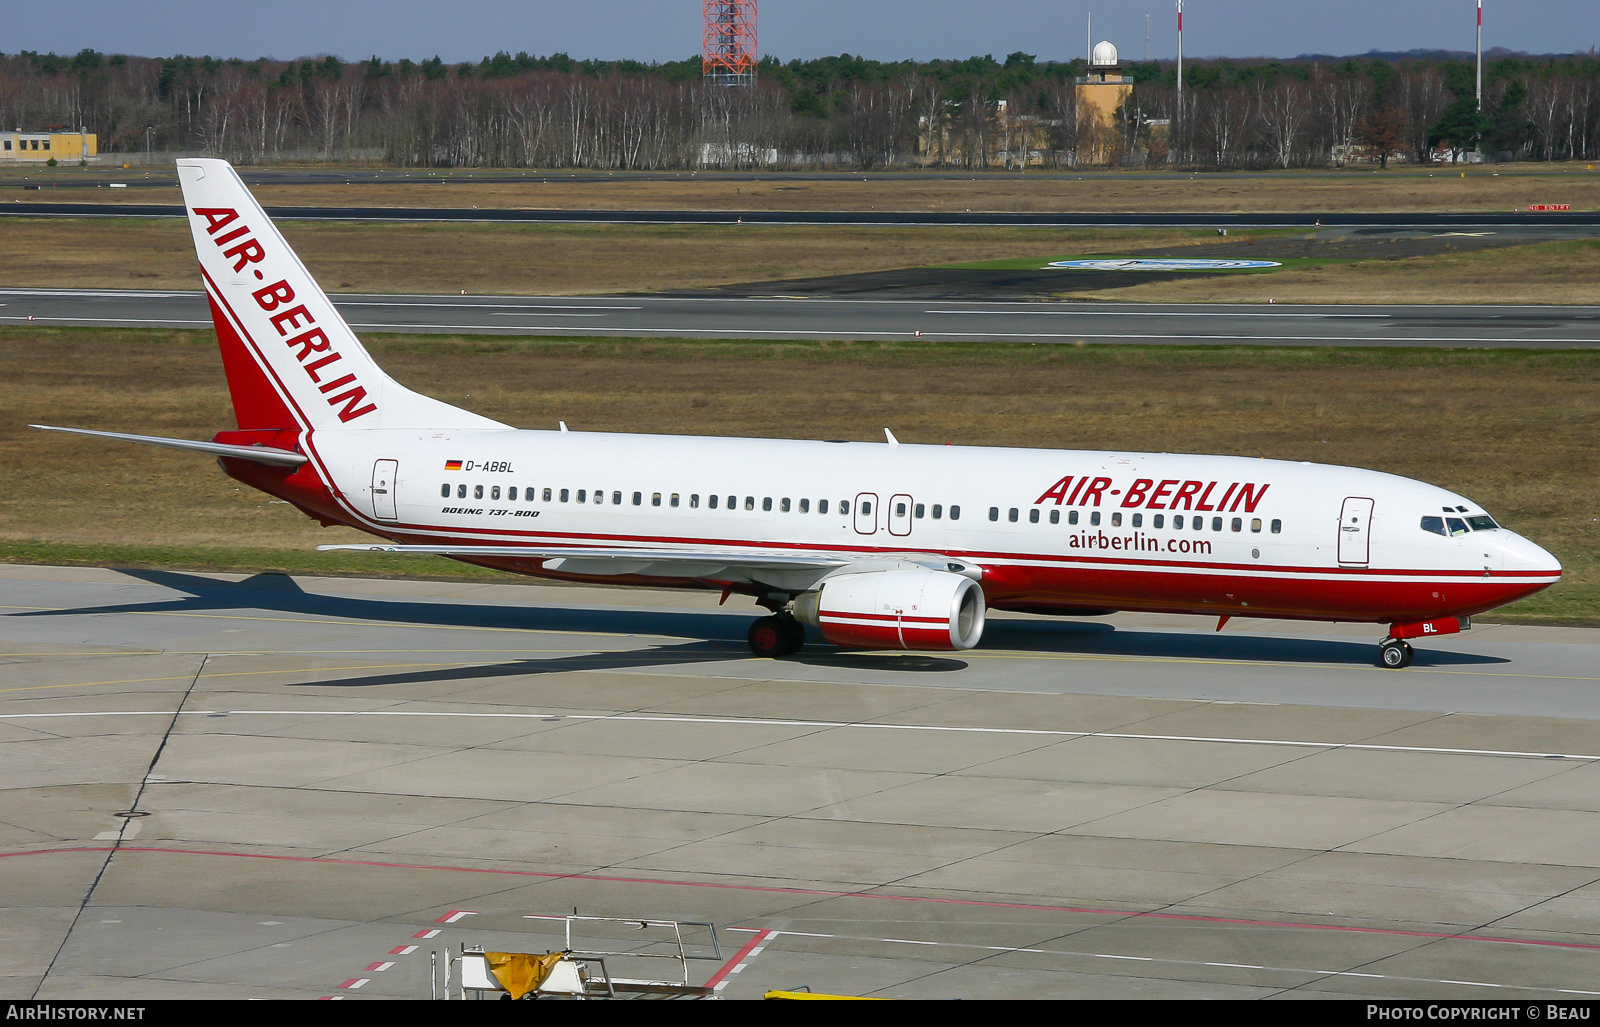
x=1090, y=638
x=719, y=635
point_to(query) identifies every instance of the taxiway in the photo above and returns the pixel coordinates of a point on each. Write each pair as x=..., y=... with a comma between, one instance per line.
x=218, y=786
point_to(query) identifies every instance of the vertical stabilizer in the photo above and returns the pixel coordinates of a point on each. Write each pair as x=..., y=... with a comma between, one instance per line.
x=291, y=360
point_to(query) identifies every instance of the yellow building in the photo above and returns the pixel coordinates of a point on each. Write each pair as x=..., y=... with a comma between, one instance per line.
x=1101, y=93
x=63, y=147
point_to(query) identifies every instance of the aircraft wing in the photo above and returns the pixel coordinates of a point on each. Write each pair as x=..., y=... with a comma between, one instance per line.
x=664, y=563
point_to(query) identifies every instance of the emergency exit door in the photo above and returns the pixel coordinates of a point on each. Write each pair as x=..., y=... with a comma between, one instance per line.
x=1355, y=526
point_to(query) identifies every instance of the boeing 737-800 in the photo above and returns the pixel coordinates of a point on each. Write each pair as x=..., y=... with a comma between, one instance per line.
x=876, y=545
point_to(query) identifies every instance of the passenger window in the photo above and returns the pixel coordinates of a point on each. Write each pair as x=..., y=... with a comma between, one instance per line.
x=749, y=502
x=1033, y=516
x=461, y=492
x=805, y=506
x=955, y=513
x=616, y=499
x=1238, y=524
x=866, y=508
x=1277, y=526
x=511, y=493
x=1055, y=516
x=1011, y=515
x=445, y=492
x=583, y=495
x=1116, y=519
x=1138, y=520
x=994, y=513
x=783, y=505
x=1158, y=521
x=674, y=499
x=713, y=502
x=766, y=505
x=547, y=495
x=899, y=509
x=655, y=499
x=844, y=507
x=938, y=511
x=494, y=493
x=565, y=495
x=1094, y=518
x=1216, y=524
x=694, y=501
x=1177, y=520
x=638, y=498
x=1433, y=524
x=919, y=511
x=1072, y=517
x=733, y=502
x=477, y=492
x=822, y=506
x=1255, y=525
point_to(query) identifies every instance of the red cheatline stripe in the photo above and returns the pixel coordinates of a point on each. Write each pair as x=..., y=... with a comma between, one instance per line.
x=823, y=893
x=739, y=957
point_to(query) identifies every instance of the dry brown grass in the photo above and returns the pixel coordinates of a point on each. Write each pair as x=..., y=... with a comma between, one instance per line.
x=1514, y=430
x=1484, y=188
x=532, y=259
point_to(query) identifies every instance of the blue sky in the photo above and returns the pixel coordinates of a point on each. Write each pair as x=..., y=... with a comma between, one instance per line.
x=656, y=30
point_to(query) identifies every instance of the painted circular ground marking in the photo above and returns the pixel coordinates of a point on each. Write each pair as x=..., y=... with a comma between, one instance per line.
x=1162, y=264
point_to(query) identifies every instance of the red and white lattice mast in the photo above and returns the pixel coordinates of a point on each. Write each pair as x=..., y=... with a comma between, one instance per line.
x=728, y=53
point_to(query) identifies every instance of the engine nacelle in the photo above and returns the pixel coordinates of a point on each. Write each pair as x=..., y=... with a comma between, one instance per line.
x=896, y=609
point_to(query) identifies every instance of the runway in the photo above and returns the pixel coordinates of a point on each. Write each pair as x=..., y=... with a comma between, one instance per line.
x=1052, y=219
x=1497, y=327
x=317, y=773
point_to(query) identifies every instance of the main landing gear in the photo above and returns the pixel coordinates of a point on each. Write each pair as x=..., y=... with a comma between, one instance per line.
x=1395, y=654
x=777, y=635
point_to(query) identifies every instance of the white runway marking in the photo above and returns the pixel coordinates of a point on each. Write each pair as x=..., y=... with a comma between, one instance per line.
x=825, y=725
x=1007, y=949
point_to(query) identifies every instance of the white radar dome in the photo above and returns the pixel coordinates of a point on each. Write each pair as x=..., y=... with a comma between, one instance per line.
x=1104, y=53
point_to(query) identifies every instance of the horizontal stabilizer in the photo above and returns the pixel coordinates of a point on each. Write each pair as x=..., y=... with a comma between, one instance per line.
x=259, y=454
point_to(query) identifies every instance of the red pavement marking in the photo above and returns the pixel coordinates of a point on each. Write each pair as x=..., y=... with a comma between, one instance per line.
x=821, y=893
x=739, y=957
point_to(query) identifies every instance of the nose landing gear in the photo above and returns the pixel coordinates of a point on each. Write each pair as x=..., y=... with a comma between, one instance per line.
x=1394, y=654
x=777, y=635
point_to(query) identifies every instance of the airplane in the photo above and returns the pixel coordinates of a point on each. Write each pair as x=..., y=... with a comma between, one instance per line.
x=874, y=545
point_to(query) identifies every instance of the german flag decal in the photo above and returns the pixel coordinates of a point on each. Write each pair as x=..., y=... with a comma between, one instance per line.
x=452, y=465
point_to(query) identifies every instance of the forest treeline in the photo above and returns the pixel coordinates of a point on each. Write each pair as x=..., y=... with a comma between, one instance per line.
x=557, y=112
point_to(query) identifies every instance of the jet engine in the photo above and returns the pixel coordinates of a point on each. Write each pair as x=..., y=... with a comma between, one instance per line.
x=896, y=609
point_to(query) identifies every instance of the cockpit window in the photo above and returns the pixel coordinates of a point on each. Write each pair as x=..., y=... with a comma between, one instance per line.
x=1482, y=523
x=1456, y=525
x=1433, y=524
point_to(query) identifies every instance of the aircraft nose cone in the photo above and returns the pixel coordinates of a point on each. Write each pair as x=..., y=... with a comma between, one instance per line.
x=1518, y=554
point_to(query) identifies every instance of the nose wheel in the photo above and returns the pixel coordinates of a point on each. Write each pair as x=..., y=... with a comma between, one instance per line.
x=1395, y=654
x=778, y=635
